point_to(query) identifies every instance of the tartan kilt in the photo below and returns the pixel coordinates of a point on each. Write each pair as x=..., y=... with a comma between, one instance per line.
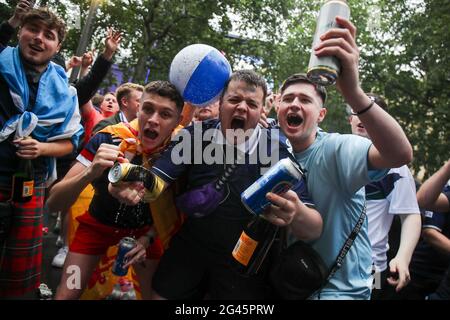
x=21, y=252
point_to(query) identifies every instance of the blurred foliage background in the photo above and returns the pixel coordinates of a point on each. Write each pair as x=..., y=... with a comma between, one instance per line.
x=404, y=50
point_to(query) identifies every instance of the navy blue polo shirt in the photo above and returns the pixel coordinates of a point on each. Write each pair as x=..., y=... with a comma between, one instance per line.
x=426, y=261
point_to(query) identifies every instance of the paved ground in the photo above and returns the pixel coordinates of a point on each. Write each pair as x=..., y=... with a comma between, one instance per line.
x=50, y=275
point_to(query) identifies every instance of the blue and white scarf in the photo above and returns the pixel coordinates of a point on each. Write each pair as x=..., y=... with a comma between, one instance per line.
x=55, y=114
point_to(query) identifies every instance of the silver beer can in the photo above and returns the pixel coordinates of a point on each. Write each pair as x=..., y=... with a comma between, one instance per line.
x=325, y=70
x=127, y=172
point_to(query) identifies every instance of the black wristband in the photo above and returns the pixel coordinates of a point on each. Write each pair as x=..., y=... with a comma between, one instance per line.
x=365, y=109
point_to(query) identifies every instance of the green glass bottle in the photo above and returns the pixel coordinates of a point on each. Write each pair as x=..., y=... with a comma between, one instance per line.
x=253, y=245
x=23, y=181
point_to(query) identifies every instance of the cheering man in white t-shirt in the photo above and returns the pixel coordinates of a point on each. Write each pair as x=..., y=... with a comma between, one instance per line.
x=395, y=194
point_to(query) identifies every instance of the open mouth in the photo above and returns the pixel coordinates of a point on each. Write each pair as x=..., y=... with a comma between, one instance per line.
x=151, y=134
x=36, y=48
x=294, y=120
x=237, y=123
x=360, y=126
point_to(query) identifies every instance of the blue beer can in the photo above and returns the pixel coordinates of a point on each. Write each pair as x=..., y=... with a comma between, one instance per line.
x=279, y=179
x=125, y=245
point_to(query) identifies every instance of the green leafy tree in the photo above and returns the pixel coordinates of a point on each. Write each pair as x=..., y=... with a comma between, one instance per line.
x=403, y=44
x=404, y=58
x=155, y=30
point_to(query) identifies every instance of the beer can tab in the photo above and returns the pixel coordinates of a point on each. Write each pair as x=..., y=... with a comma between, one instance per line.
x=115, y=173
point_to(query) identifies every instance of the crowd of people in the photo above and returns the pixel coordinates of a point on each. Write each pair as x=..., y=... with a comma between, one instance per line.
x=73, y=136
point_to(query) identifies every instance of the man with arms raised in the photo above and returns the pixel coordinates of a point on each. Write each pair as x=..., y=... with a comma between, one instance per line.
x=338, y=166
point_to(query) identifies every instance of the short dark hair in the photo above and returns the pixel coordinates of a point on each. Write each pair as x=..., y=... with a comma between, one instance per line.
x=125, y=89
x=379, y=100
x=58, y=58
x=301, y=77
x=167, y=90
x=50, y=19
x=250, y=77
x=97, y=100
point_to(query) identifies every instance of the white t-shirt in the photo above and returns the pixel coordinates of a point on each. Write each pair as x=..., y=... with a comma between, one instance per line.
x=394, y=194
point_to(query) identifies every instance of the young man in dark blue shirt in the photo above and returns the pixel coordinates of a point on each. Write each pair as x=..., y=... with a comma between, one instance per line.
x=197, y=262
